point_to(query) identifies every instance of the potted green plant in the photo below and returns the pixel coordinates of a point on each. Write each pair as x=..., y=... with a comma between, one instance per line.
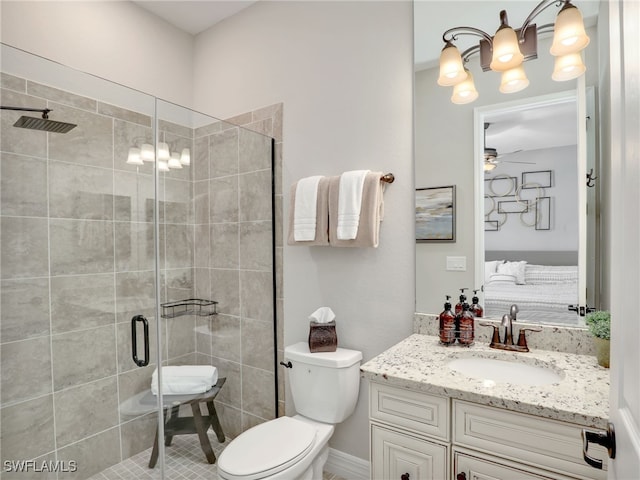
x=599, y=324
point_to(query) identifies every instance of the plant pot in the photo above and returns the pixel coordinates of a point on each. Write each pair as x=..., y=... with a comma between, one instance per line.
x=602, y=351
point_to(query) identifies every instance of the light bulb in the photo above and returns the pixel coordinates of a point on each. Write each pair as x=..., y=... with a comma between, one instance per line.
x=488, y=166
x=569, y=35
x=451, y=69
x=162, y=166
x=174, y=161
x=185, y=157
x=506, y=50
x=163, y=151
x=134, y=157
x=147, y=152
x=568, y=67
x=464, y=92
x=514, y=80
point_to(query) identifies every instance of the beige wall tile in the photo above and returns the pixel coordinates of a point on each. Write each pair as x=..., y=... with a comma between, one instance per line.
x=25, y=370
x=27, y=429
x=23, y=187
x=82, y=301
x=25, y=309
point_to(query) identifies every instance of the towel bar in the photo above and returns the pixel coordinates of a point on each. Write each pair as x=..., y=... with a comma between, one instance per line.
x=388, y=178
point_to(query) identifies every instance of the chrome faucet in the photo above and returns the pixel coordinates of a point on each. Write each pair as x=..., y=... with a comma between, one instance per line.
x=507, y=323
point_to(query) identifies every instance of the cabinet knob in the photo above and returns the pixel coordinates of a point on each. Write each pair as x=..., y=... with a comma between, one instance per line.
x=404, y=476
x=461, y=476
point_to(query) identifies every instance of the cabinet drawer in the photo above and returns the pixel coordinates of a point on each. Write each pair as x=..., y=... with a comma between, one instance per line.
x=548, y=444
x=476, y=467
x=418, y=412
x=395, y=454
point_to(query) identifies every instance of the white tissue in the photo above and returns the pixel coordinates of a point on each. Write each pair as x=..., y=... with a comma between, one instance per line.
x=322, y=315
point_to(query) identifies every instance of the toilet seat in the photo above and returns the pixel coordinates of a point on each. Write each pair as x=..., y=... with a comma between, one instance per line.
x=266, y=449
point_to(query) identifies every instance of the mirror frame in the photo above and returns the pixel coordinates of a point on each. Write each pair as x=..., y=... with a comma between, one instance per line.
x=579, y=95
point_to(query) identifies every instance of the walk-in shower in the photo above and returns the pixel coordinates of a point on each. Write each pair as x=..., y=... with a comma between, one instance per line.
x=90, y=241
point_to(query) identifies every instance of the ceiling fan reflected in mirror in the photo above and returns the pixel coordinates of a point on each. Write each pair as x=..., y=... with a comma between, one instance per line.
x=491, y=155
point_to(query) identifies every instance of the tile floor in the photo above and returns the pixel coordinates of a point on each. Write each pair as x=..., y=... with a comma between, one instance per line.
x=184, y=461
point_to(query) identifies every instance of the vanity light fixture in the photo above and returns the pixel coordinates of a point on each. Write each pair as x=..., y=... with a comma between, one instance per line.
x=167, y=159
x=506, y=51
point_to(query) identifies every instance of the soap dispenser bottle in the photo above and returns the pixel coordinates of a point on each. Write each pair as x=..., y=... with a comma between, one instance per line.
x=476, y=309
x=463, y=299
x=465, y=326
x=447, y=325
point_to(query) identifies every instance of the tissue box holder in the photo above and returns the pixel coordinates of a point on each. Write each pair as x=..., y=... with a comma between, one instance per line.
x=322, y=337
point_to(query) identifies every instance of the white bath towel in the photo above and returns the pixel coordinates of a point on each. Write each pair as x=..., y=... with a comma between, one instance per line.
x=304, y=216
x=185, y=379
x=350, y=203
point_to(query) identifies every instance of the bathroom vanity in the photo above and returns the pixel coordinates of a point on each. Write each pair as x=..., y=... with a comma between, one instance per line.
x=439, y=412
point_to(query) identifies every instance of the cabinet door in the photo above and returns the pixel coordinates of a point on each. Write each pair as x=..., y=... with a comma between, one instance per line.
x=471, y=467
x=396, y=456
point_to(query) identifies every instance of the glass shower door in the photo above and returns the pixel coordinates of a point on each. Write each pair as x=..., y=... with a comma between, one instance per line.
x=217, y=288
x=77, y=263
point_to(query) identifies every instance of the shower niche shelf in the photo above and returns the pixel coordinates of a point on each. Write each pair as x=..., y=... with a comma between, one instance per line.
x=190, y=306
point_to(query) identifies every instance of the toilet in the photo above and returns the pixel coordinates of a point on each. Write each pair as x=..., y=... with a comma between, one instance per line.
x=324, y=387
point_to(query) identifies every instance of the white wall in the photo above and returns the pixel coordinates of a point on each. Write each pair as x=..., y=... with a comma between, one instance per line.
x=444, y=153
x=563, y=234
x=344, y=73
x=117, y=41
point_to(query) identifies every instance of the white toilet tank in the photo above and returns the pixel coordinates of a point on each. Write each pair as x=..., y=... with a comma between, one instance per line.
x=324, y=385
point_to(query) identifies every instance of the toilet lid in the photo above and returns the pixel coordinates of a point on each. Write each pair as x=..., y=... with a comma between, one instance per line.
x=266, y=449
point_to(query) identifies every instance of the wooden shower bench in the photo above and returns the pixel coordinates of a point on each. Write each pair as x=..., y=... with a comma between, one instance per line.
x=174, y=424
x=146, y=402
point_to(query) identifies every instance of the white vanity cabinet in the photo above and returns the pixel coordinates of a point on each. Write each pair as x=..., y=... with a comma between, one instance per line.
x=418, y=436
x=409, y=434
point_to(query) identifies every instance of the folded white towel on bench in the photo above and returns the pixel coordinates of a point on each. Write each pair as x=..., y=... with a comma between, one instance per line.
x=185, y=379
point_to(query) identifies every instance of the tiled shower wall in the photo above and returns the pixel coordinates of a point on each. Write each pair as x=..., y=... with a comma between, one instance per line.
x=234, y=265
x=77, y=263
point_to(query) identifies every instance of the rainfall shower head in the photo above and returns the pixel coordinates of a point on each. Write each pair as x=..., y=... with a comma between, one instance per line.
x=43, y=124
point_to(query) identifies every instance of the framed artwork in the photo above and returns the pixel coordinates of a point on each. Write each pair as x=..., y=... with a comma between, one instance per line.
x=436, y=214
x=540, y=178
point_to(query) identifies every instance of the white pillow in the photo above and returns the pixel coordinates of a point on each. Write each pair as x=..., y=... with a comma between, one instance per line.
x=502, y=278
x=490, y=268
x=513, y=268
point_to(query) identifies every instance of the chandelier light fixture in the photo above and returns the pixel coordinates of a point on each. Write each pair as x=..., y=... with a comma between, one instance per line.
x=508, y=49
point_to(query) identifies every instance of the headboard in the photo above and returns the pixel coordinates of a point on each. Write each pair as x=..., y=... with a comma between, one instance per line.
x=534, y=257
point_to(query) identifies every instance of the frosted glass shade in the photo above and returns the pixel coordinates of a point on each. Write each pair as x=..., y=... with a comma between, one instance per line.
x=514, y=80
x=488, y=166
x=185, y=157
x=569, y=35
x=163, y=152
x=162, y=166
x=451, y=68
x=465, y=91
x=568, y=67
x=174, y=161
x=134, y=157
x=147, y=152
x=506, y=50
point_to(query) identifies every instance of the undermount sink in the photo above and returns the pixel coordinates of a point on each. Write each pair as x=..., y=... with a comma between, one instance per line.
x=494, y=371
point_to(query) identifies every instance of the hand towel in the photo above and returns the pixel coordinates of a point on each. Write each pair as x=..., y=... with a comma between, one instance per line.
x=305, y=209
x=321, y=216
x=185, y=379
x=350, y=203
x=371, y=213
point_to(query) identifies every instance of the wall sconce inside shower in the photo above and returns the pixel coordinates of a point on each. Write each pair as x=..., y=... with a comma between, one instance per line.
x=167, y=159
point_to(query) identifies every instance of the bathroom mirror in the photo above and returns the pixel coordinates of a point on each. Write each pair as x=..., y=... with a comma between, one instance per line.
x=530, y=193
x=449, y=144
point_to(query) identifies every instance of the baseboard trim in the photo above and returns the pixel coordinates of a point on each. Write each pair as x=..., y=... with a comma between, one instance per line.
x=347, y=466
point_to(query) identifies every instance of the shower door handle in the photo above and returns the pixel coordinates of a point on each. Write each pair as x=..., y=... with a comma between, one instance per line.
x=134, y=340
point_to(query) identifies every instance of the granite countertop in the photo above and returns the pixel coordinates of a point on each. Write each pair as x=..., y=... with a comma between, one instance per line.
x=419, y=362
